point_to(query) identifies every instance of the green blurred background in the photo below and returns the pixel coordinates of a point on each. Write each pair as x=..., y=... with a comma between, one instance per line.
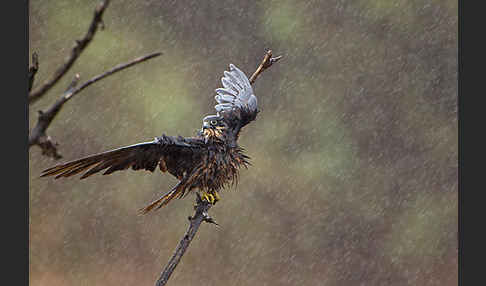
x=354, y=176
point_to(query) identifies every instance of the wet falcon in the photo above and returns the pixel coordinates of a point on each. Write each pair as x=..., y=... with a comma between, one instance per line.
x=206, y=163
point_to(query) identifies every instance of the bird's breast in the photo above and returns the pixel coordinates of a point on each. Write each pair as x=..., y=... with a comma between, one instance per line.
x=221, y=168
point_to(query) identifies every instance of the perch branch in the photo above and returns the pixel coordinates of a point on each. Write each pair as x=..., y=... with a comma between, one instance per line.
x=33, y=69
x=75, y=53
x=200, y=215
x=203, y=207
x=38, y=135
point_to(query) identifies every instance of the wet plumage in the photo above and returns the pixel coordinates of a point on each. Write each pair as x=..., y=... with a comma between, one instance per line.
x=207, y=162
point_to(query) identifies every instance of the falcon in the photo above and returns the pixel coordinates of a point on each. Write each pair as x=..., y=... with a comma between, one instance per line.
x=207, y=162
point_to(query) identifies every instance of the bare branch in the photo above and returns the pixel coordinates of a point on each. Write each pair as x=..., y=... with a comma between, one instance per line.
x=75, y=53
x=112, y=71
x=203, y=207
x=200, y=215
x=267, y=62
x=33, y=69
x=38, y=135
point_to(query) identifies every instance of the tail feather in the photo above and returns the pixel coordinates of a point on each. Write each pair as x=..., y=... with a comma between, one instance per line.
x=177, y=190
x=163, y=200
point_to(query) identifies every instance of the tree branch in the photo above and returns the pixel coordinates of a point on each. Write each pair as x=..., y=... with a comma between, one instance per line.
x=200, y=215
x=267, y=62
x=75, y=53
x=202, y=207
x=112, y=71
x=38, y=135
x=33, y=69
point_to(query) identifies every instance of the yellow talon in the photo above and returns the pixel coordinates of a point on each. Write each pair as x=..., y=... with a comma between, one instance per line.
x=208, y=197
x=217, y=197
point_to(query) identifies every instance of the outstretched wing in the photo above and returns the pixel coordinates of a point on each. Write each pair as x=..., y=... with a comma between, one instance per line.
x=236, y=98
x=173, y=154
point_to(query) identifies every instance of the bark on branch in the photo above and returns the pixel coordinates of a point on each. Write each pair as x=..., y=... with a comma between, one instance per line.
x=75, y=53
x=33, y=69
x=38, y=134
x=267, y=62
x=202, y=207
x=201, y=214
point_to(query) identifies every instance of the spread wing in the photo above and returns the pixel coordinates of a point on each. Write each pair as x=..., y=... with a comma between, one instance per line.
x=236, y=98
x=173, y=154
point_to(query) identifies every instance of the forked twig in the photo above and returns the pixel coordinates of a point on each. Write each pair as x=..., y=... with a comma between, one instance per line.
x=267, y=62
x=75, y=53
x=38, y=134
x=202, y=207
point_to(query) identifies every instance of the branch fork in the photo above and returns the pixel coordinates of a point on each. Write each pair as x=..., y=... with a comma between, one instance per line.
x=38, y=134
x=267, y=62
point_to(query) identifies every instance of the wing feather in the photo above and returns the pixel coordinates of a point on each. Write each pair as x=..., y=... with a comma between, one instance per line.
x=146, y=156
x=236, y=94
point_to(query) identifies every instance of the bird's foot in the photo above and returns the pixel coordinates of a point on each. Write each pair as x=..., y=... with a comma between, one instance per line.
x=216, y=196
x=210, y=197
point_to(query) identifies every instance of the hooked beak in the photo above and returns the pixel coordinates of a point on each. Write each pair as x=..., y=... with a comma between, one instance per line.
x=204, y=127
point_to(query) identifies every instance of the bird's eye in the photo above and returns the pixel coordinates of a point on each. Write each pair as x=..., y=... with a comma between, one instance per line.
x=214, y=122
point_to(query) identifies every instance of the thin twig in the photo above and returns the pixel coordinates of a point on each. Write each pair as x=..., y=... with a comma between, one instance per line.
x=75, y=53
x=203, y=207
x=112, y=71
x=267, y=62
x=33, y=69
x=38, y=135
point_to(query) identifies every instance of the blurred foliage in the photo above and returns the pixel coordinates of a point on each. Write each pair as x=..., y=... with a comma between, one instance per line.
x=354, y=176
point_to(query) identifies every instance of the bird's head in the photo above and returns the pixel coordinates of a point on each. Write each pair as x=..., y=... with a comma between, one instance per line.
x=213, y=126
